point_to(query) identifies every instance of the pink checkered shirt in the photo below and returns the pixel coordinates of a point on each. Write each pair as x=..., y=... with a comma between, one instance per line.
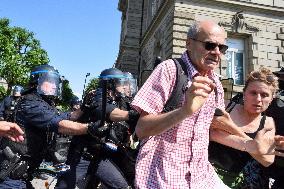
x=177, y=158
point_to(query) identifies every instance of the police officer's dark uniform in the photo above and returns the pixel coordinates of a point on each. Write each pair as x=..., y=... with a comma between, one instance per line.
x=36, y=113
x=276, y=111
x=38, y=117
x=104, y=165
x=9, y=103
x=7, y=110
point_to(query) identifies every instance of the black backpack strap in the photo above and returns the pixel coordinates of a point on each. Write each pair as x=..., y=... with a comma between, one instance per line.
x=237, y=99
x=180, y=86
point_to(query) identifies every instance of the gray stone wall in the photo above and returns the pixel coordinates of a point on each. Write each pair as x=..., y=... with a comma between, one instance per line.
x=128, y=56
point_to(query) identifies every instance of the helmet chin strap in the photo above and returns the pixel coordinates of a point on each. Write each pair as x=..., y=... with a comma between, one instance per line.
x=49, y=99
x=119, y=95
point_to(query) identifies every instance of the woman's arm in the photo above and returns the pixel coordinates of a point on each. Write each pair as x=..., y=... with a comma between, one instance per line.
x=256, y=148
x=225, y=123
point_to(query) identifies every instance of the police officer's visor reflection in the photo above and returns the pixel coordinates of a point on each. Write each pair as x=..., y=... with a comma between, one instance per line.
x=48, y=87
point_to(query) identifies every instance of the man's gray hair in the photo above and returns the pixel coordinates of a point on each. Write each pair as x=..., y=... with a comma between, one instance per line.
x=193, y=30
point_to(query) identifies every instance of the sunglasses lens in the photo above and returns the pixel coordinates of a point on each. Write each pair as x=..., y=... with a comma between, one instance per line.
x=257, y=75
x=270, y=78
x=209, y=46
x=223, y=48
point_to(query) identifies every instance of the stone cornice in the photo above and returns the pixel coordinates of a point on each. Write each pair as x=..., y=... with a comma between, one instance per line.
x=243, y=5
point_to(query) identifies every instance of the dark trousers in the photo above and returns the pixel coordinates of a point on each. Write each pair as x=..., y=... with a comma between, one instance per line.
x=101, y=169
x=71, y=177
x=105, y=172
x=9, y=183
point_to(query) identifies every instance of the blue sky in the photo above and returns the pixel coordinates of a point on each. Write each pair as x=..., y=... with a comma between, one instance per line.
x=79, y=36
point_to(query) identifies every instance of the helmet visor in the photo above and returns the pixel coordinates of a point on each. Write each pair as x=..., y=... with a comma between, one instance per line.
x=120, y=86
x=131, y=87
x=49, y=84
x=17, y=90
x=126, y=86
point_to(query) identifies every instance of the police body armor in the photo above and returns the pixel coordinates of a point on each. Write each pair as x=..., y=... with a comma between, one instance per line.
x=120, y=132
x=119, y=135
x=19, y=160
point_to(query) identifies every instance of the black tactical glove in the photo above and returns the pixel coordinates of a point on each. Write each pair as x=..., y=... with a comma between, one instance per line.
x=133, y=117
x=96, y=130
x=92, y=105
x=92, y=100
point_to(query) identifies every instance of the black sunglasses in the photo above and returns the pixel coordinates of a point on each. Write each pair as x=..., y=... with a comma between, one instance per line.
x=210, y=46
x=269, y=78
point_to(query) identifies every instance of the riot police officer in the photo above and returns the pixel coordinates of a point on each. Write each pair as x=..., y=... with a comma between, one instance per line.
x=276, y=111
x=107, y=104
x=36, y=114
x=7, y=106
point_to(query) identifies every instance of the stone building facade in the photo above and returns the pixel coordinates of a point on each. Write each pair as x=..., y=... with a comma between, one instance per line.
x=151, y=28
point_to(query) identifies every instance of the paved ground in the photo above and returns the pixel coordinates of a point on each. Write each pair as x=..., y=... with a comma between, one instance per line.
x=43, y=184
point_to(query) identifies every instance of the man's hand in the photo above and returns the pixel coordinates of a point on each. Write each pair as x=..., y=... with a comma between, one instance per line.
x=279, y=142
x=279, y=145
x=197, y=93
x=11, y=131
x=263, y=143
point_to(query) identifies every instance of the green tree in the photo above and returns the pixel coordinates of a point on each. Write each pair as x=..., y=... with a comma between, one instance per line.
x=19, y=53
x=2, y=93
x=93, y=84
x=67, y=92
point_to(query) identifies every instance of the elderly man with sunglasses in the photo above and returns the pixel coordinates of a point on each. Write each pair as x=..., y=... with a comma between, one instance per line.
x=174, y=145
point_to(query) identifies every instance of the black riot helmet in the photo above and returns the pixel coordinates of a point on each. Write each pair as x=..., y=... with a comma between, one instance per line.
x=131, y=87
x=46, y=79
x=114, y=80
x=17, y=90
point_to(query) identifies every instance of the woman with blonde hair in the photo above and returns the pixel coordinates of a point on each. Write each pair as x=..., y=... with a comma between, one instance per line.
x=245, y=135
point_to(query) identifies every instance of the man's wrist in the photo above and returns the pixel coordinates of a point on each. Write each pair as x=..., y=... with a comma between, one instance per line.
x=184, y=111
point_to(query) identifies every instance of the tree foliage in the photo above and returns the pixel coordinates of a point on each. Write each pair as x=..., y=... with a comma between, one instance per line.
x=67, y=93
x=2, y=93
x=93, y=84
x=19, y=53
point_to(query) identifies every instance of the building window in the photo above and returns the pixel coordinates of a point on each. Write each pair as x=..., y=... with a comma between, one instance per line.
x=236, y=60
